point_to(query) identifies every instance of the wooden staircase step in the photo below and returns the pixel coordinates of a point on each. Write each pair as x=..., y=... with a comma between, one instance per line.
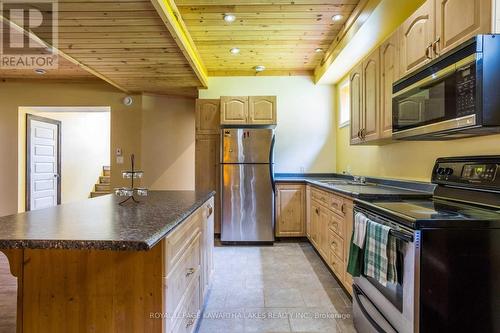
x=98, y=194
x=106, y=170
x=104, y=179
x=103, y=188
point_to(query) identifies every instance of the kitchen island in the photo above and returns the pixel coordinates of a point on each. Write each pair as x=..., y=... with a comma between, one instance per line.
x=95, y=266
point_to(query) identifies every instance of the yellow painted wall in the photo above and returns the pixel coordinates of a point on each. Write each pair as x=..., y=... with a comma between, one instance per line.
x=168, y=142
x=85, y=142
x=305, y=135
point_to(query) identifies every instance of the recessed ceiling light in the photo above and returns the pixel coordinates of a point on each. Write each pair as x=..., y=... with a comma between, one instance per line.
x=318, y=50
x=337, y=17
x=260, y=68
x=229, y=18
x=234, y=50
x=40, y=71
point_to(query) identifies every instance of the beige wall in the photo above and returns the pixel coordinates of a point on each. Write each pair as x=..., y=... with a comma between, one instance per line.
x=125, y=123
x=168, y=142
x=85, y=150
x=305, y=135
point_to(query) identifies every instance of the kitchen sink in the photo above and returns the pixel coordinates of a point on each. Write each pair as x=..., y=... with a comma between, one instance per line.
x=345, y=182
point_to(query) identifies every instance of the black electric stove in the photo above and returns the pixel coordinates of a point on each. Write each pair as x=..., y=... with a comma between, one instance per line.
x=467, y=195
x=449, y=247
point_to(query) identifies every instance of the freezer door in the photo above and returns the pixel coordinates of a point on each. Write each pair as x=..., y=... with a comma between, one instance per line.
x=247, y=145
x=247, y=203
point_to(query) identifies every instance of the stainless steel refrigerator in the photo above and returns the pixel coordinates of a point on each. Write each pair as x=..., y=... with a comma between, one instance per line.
x=247, y=185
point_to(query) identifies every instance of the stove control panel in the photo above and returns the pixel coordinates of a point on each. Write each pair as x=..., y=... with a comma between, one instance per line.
x=477, y=172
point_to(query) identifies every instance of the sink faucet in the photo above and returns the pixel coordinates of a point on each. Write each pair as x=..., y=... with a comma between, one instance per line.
x=359, y=179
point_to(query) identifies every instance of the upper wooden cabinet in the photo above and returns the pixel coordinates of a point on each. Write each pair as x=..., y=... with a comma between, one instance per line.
x=207, y=116
x=459, y=20
x=290, y=210
x=370, y=92
x=244, y=110
x=234, y=110
x=416, y=38
x=262, y=110
x=389, y=73
x=355, y=96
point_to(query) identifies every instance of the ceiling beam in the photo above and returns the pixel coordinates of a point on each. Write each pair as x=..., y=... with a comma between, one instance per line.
x=60, y=53
x=358, y=17
x=173, y=21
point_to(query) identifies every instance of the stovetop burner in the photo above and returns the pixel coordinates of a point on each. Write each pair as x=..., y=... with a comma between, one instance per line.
x=434, y=212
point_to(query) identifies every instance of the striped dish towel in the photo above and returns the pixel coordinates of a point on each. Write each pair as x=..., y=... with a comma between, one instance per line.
x=380, y=253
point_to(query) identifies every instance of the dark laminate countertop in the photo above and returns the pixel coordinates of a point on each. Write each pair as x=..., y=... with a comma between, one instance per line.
x=100, y=223
x=380, y=188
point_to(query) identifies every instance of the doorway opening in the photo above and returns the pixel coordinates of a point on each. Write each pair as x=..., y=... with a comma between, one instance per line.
x=64, y=155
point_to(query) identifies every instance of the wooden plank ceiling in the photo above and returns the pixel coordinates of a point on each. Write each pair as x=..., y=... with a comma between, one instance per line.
x=281, y=35
x=124, y=42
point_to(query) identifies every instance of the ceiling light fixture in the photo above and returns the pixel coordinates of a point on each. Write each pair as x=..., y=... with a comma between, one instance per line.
x=318, y=50
x=337, y=17
x=234, y=50
x=260, y=68
x=229, y=18
x=40, y=71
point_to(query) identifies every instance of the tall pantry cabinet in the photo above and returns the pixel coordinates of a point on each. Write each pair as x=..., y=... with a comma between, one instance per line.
x=207, y=174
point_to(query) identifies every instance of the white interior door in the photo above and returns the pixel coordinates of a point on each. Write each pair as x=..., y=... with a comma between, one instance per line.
x=43, y=163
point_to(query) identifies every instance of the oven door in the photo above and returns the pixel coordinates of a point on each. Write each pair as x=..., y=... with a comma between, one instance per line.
x=396, y=303
x=442, y=102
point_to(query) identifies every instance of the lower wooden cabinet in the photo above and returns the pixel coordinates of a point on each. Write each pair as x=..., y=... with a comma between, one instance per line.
x=331, y=229
x=290, y=210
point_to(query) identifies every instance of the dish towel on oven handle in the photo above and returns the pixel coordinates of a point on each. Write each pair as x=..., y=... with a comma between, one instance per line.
x=380, y=254
x=355, y=261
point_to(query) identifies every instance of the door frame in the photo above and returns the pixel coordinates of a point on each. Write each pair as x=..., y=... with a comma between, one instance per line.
x=29, y=118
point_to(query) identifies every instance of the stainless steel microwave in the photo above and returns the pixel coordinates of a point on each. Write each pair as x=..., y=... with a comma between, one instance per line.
x=455, y=96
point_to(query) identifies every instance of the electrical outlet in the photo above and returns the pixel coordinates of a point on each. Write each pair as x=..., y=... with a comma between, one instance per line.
x=302, y=169
x=119, y=159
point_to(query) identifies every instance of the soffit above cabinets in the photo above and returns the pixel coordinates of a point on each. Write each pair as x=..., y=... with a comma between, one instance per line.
x=128, y=43
x=281, y=35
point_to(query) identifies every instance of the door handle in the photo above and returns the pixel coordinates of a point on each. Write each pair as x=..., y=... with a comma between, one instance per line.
x=428, y=51
x=190, y=271
x=435, y=45
x=56, y=175
x=210, y=211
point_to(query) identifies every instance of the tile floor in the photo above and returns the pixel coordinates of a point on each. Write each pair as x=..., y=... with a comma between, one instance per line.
x=283, y=288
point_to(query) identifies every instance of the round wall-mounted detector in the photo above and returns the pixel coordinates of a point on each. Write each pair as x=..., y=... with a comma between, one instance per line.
x=229, y=18
x=260, y=68
x=128, y=100
x=318, y=50
x=337, y=17
x=40, y=71
x=234, y=50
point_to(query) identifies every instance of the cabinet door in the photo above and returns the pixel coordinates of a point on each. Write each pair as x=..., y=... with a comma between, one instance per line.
x=315, y=213
x=308, y=211
x=290, y=212
x=262, y=110
x=370, y=93
x=349, y=223
x=389, y=72
x=207, y=116
x=459, y=20
x=207, y=169
x=355, y=102
x=416, y=38
x=234, y=110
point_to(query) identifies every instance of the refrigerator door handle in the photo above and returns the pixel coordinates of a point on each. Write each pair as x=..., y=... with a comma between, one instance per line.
x=271, y=164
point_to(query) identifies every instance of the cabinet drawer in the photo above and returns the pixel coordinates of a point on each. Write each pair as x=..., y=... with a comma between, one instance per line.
x=336, y=244
x=337, y=225
x=329, y=200
x=182, y=275
x=337, y=266
x=186, y=319
x=320, y=196
x=178, y=241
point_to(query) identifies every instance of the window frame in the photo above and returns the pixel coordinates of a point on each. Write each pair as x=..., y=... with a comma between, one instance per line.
x=344, y=85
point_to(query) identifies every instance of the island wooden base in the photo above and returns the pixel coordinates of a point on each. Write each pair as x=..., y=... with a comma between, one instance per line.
x=115, y=291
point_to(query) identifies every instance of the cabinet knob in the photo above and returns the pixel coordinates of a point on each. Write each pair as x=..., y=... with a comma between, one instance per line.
x=428, y=51
x=317, y=210
x=210, y=210
x=435, y=46
x=190, y=271
x=342, y=208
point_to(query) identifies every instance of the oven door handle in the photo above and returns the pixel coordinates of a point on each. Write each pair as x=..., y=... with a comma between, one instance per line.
x=401, y=236
x=357, y=292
